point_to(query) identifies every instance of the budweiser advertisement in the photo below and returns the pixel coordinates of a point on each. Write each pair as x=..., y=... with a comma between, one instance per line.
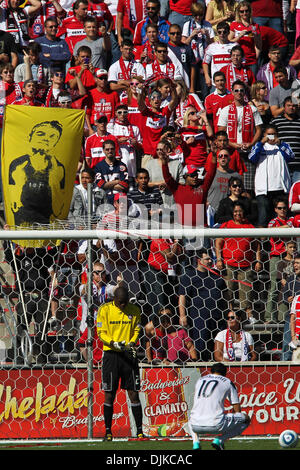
x=53, y=403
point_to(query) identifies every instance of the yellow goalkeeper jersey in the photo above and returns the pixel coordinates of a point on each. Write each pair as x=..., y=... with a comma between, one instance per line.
x=114, y=324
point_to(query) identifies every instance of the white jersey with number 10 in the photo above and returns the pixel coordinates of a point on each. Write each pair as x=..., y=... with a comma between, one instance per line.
x=210, y=393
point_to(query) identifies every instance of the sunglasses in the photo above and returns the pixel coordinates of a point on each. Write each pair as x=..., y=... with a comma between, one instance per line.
x=162, y=51
x=236, y=186
x=175, y=33
x=59, y=74
x=122, y=112
x=281, y=208
x=224, y=155
x=98, y=272
x=192, y=113
x=239, y=90
x=222, y=31
x=151, y=8
x=135, y=84
x=244, y=11
x=231, y=318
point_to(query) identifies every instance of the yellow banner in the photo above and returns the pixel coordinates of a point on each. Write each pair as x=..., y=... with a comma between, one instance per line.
x=40, y=154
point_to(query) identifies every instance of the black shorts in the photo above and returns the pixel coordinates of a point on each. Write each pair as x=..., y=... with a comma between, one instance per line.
x=116, y=366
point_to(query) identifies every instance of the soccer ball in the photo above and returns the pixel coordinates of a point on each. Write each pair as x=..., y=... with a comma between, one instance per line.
x=288, y=438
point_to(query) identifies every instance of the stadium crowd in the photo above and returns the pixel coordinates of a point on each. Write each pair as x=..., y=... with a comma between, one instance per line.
x=187, y=104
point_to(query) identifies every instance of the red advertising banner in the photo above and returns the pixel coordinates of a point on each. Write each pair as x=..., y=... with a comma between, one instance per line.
x=52, y=403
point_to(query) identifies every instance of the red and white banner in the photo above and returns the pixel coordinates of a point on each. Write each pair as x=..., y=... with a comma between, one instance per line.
x=52, y=403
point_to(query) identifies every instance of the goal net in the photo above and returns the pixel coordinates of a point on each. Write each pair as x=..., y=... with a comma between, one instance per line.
x=207, y=295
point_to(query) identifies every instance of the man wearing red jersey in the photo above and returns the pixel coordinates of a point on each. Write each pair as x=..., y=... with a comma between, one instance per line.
x=154, y=119
x=129, y=13
x=85, y=70
x=100, y=10
x=94, y=143
x=102, y=101
x=29, y=91
x=236, y=70
x=191, y=197
x=145, y=53
x=72, y=26
x=217, y=100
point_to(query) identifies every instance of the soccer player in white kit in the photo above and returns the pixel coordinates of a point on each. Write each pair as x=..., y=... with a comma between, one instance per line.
x=208, y=415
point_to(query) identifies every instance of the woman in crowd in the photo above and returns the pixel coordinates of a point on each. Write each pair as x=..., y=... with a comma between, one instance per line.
x=220, y=10
x=247, y=33
x=187, y=99
x=196, y=131
x=130, y=98
x=225, y=209
x=259, y=92
x=233, y=343
x=237, y=255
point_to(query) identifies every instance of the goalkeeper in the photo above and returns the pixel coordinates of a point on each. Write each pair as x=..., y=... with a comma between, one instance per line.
x=118, y=327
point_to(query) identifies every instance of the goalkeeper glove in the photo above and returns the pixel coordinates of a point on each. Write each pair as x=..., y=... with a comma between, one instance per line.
x=119, y=345
x=131, y=348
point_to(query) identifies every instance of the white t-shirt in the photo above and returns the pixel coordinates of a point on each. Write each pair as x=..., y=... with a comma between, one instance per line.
x=115, y=72
x=237, y=347
x=217, y=55
x=223, y=119
x=210, y=393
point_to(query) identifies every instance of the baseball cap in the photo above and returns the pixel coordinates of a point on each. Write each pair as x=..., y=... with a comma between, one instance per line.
x=102, y=118
x=189, y=170
x=101, y=72
x=119, y=196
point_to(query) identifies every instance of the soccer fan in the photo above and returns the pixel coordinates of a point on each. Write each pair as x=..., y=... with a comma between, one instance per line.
x=29, y=90
x=273, y=38
x=100, y=46
x=280, y=92
x=129, y=13
x=101, y=100
x=217, y=100
x=179, y=52
x=14, y=20
x=198, y=34
x=272, y=178
x=217, y=54
x=196, y=132
x=111, y=174
x=236, y=70
x=242, y=123
x=31, y=67
x=128, y=137
x=247, y=33
x=72, y=26
x=121, y=71
x=187, y=99
x=154, y=119
x=220, y=142
x=94, y=142
x=219, y=186
x=201, y=303
x=145, y=53
x=54, y=51
x=278, y=249
x=208, y=415
x=130, y=98
x=163, y=66
x=233, y=343
x=258, y=95
x=48, y=9
x=238, y=255
x=118, y=327
x=152, y=17
x=8, y=49
x=144, y=195
x=10, y=91
x=84, y=69
x=192, y=195
x=266, y=71
x=288, y=128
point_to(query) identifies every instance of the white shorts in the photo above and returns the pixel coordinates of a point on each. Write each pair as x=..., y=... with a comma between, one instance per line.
x=233, y=424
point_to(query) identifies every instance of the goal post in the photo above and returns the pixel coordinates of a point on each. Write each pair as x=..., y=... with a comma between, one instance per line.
x=184, y=299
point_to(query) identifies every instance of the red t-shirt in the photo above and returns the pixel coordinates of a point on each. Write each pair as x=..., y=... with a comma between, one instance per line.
x=133, y=12
x=134, y=115
x=198, y=149
x=101, y=103
x=246, y=42
x=278, y=244
x=271, y=8
x=214, y=103
x=87, y=77
x=272, y=37
x=237, y=251
x=73, y=31
x=152, y=124
x=181, y=6
x=94, y=148
x=156, y=259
